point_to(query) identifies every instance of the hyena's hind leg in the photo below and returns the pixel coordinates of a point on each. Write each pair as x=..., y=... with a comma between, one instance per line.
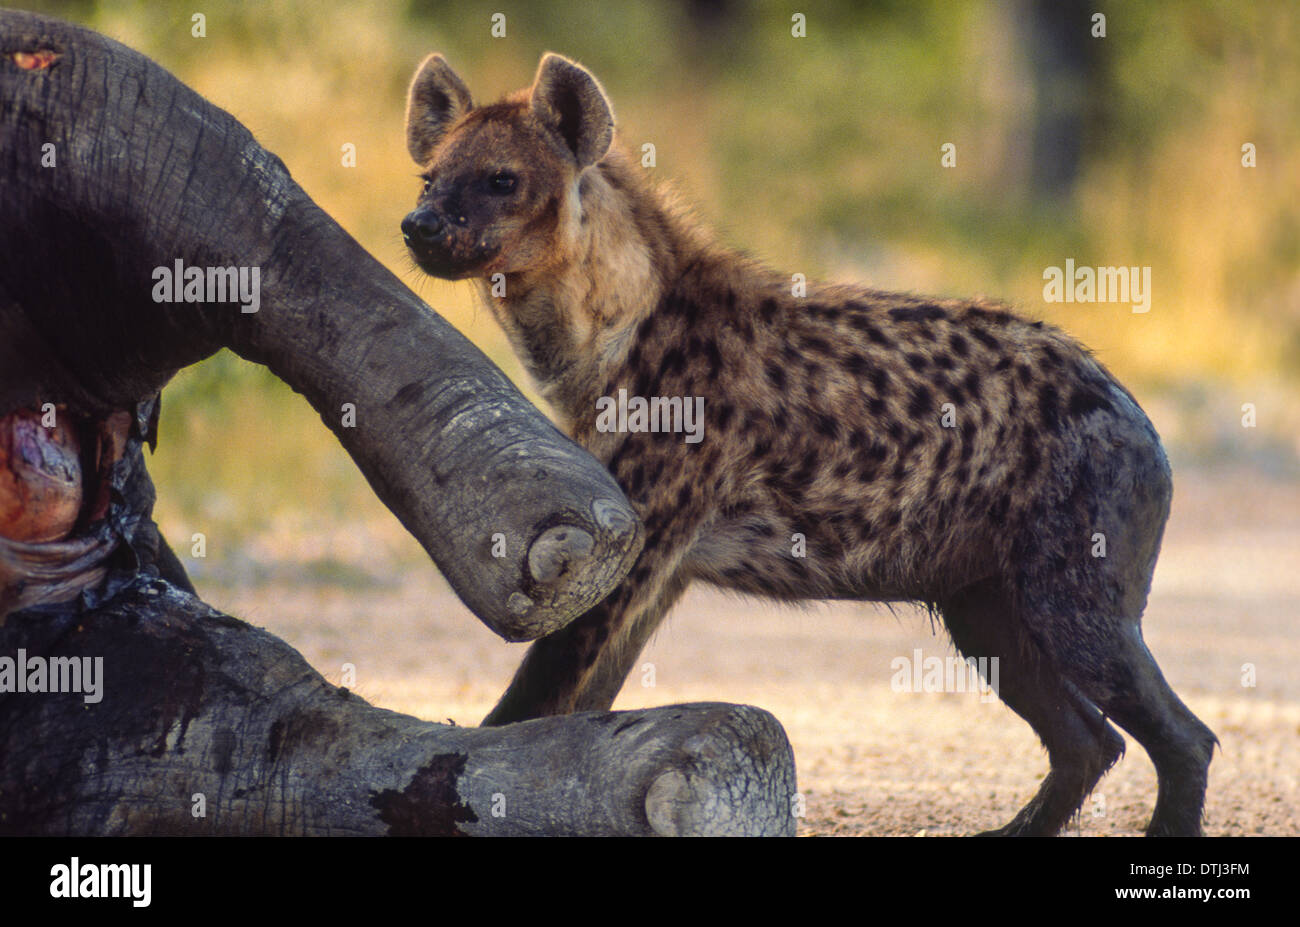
x=1104, y=655
x=1084, y=607
x=1081, y=746
x=1133, y=691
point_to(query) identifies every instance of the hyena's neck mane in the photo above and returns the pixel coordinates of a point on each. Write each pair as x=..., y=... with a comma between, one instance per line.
x=620, y=248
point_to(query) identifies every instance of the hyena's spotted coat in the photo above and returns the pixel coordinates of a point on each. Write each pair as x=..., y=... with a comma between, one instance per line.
x=944, y=451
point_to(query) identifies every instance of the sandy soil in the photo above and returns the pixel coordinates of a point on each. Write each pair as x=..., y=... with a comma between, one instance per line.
x=870, y=760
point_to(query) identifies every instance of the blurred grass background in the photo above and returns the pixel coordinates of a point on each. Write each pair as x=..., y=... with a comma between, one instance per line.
x=820, y=154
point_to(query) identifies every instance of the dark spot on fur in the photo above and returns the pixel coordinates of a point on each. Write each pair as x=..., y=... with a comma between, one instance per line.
x=991, y=316
x=1049, y=407
x=1085, y=400
x=879, y=377
x=1052, y=359
x=967, y=440
x=971, y=384
x=723, y=412
x=941, y=456
x=641, y=386
x=636, y=480
x=1002, y=365
x=819, y=345
x=874, y=334
x=959, y=345
x=713, y=356
x=775, y=375
x=986, y=339
x=674, y=362
x=1029, y=457
x=925, y=312
x=674, y=304
x=684, y=495
x=826, y=425
x=917, y=362
x=856, y=364
x=921, y=403
x=865, y=530
x=768, y=309
x=1024, y=374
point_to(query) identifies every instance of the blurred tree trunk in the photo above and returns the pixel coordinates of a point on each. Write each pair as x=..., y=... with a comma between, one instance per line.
x=1066, y=64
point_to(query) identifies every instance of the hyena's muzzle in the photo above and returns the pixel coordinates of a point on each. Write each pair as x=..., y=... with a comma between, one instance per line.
x=445, y=243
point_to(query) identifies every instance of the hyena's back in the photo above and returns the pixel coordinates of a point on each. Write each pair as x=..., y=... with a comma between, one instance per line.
x=916, y=445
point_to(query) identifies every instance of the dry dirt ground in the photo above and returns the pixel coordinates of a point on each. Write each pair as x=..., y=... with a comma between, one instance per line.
x=871, y=760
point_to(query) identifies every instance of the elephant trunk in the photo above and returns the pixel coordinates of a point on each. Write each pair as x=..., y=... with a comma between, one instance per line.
x=526, y=526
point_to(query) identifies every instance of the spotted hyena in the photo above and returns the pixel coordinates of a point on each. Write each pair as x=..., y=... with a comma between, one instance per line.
x=855, y=443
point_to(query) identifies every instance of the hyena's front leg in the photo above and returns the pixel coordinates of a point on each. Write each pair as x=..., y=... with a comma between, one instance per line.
x=582, y=666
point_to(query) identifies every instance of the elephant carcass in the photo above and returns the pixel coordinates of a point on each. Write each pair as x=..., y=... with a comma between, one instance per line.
x=127, y=706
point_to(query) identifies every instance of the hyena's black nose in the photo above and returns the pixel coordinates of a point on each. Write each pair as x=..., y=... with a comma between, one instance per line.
x=423, y=226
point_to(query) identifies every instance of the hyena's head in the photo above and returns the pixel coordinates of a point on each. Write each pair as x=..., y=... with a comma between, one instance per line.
x=500, y=181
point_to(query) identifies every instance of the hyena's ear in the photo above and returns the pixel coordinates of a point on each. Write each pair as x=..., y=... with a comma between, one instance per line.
x=437, y=98
x=572, y=105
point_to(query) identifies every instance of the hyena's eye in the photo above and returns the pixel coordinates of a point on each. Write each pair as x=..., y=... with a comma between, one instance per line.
x=502, y=182
x=428, y=185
